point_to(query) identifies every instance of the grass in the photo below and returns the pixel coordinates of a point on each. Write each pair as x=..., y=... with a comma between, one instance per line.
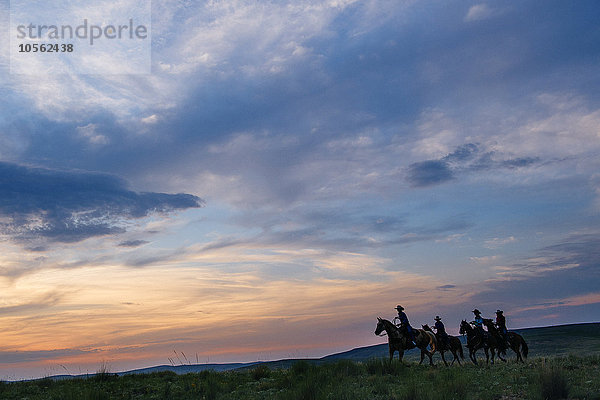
x=540, y=378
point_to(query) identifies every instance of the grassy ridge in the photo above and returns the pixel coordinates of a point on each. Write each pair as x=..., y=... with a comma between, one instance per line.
x=541, y=378
x=563, y=340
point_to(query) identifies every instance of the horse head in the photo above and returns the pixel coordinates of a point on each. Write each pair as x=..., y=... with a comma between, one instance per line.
x=464, y=327
x=426, y=327
x=388, y=327
x=380, y=326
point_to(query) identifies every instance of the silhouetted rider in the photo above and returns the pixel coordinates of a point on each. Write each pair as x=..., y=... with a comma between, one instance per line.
x=501, y=322
x=403, y=323
x=440, y=330
x=478, y=322
x=501, y=325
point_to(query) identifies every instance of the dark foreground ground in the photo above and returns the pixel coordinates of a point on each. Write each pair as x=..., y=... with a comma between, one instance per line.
x=542, y=378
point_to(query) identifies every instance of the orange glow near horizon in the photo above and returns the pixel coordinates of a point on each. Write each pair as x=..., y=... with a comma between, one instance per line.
x=114, y=312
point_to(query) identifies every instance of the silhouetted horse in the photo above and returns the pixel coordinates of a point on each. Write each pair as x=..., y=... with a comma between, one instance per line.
x=399, y=340
x=496, y=344
x=475, y=341
x=454, y=346
x=515, y=341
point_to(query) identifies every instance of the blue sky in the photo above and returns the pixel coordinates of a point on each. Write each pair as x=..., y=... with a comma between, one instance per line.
x=289, y=171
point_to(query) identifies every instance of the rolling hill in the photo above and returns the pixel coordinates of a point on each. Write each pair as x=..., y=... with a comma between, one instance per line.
x=560, y=340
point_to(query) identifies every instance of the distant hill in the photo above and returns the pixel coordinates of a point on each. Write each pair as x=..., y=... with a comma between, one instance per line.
x=560, y=340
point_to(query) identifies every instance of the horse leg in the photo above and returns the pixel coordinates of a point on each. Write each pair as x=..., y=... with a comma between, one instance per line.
x=443, y=358
x=472, y=356
x=391, y=352
x=517, y=350
x=430, y=354
x=400, y=354
x=516, y=347
x=500, y=357
x=499, y=353
x=422, y=356
x=487, y=355
x=454, y=357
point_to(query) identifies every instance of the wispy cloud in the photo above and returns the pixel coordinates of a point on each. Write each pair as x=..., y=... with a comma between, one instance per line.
x=573, y=301
x=480, y=12
x=555, y=277
x=499, y=242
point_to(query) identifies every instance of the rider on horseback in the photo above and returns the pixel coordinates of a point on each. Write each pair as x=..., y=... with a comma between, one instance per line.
x=501, y=325
x=441, y=331
x=478, y=322
x=501, y=322
x=404, y=323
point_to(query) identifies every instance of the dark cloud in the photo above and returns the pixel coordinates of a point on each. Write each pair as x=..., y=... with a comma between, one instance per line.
x=133, y=243
x=70, y=206
x=428, y=173
x=520, y=162
x=470, y=157
x=446, y=287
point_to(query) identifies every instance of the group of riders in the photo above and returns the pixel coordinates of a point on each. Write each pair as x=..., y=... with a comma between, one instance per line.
x=401, y=322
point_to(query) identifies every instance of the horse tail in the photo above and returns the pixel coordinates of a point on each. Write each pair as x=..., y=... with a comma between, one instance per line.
x=524, y=347
x=432, y=342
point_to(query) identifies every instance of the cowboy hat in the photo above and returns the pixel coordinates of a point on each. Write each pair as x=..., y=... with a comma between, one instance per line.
x=437, y=318
x=399, y=307
x=476, y=311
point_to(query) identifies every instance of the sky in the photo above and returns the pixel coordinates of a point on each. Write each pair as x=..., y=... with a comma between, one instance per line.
x=289, y=171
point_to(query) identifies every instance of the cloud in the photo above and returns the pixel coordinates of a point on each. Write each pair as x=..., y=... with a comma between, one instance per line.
x=44, y=301
x=428, y=173
x=18, y=357
x=470, y=157
x=573, y=301
x=133, y=243
x=151, y=119
x=484, y=259
x=70, y=206
x=200, y=42
x=90, y=132
x=463, y=153
x=499, y=242
x=562, y=274
x=479, y=12
x=446, y=287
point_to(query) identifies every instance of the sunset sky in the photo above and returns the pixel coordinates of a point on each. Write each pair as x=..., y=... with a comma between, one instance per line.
x=291, y=170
